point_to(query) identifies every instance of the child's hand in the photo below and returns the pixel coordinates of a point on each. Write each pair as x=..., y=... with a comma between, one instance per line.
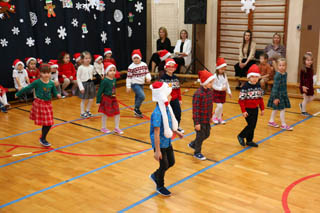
x=157, y=155
x=59, y=96
x=180, y=102
x=230, y=95
x=224, y=88
x=305, y=89
x=82, y=91
x=197, y=127
x=128, y=90
x=276, y=102
x=19, y=88
x=71, y=77
x=245, y=114
x=63, y=76
x=262, y=112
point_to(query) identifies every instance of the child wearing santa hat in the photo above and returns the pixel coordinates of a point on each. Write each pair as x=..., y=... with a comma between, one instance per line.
x=78, y=60
x=20, y=75
x=163, y=55
x=138, y=74
x=32, y=70
x=162, y=126
x=55, y=75
x=220, y=89
x=202, y=105
x=41, y=111
x=106, y=97
x=67, y=73
x=108, y=56
x=98, y=68
x=173, y=80
x=250, y=98
x=4, y=105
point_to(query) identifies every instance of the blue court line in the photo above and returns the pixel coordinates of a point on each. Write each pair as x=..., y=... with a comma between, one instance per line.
x=209, y=167
x=72, y=144
x=84, y=174
x=78, y=119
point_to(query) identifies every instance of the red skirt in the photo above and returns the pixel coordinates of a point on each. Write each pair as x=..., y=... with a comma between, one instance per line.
x=41, y=112
x=109, y=106
x=3, y=90
x=219, y=96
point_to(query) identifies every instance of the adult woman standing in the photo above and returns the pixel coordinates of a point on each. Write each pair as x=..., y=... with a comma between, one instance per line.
x=182, y=50
x=275, y=50
x=247, y=50
x=163, y=43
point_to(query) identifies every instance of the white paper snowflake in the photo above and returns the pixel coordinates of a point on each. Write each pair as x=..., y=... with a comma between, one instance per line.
x=103, y=37
x=78, y=6
x=247, y=5
x=47, y=40
x=94, y=4
x=15, y=31
x=86, y=7
x=30, y=42
x=74, y=22
x=62, y=32
x=4, y=42
x=33, y=18
x=118, y=16
x=113, y=1
x=129, y=31
x=139, y=7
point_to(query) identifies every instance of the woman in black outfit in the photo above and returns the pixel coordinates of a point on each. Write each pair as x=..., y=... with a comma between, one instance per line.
x=163, y=43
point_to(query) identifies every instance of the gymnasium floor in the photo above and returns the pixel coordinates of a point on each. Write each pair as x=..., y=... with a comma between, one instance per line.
x=87, y=171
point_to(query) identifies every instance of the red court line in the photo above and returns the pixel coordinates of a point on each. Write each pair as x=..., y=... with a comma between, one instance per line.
x=289, y=188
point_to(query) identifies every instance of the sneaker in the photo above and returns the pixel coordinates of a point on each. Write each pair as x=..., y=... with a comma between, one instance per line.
x=44, y=142
x=300, y=106
x=273, y=124
x=163, y=191
x=305, y=114
x=241, y=141
x=89, y=114
x=84, y=115
x=118, y=131
x=4, y=109
x=286, y=127
x=191, y=145
x=137, y=113
x=222, y=121
x=153, y=178
x=253, y=144
x=199, y=156
x=180, y=130
x=216, y=121
x=62, y=96
x=104, y=130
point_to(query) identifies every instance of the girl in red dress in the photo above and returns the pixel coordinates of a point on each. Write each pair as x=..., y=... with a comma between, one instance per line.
x=67, y=73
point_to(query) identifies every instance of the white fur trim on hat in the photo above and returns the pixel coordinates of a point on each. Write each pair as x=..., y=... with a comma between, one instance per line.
x=16, y=66
x=222, y=65
x=108, y=68
x=253, y=74
x=97, y=59
x=207, y=81
x=54, y=66
x=106, y=52
x=30, y=59
x=136, y=55
x=165, y=56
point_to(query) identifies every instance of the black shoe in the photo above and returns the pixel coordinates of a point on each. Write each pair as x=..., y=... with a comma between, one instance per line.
x=89, y=114
x=153, y=178
x=238, y=88
x=253, y=144
x=163, y=191
x=241, y=141
x=180, y=130
x=305, y=114
x=4, y=109
x=44, y=143
x=138, y=113
x=191, y=145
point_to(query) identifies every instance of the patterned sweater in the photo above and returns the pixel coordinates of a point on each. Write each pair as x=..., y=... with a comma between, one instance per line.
x=174, y=81
x=137, y=74
x=202, y=104
x=251, y=97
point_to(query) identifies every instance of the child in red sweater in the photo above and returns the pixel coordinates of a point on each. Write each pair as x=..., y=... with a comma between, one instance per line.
x=249, y=99
x=108, y=56
x=32, y=70
x=67, y=73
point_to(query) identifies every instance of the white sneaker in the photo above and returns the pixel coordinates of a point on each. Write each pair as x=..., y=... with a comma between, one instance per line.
x=180, y=130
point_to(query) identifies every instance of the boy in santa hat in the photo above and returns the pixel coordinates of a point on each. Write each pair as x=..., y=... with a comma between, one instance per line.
x=78, y=60
x=20, y=75
x=202, y=105
x=138, y=74
x=162, y=125
x=98, y=68
x=250, y=98
x=163, y=55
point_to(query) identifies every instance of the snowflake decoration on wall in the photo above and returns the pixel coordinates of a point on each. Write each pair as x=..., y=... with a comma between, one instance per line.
x=33, y=18
x=247, y=5
x=4, y=42
x=15, y=31
x=47, y=40
x=103, y=37
x=118, y=16
x=139, y=7
x=74, y=22
x=30, y=42
x=78, y=6
x=62, y=32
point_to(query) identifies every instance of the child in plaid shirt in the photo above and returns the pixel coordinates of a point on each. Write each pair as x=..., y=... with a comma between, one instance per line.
x=202, y=103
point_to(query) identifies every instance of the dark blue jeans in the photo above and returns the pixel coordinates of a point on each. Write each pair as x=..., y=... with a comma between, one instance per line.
x=139, y=98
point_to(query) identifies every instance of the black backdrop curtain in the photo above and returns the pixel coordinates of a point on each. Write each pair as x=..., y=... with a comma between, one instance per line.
x=123, y=22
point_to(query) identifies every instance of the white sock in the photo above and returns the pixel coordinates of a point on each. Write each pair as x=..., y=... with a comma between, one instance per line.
x=3, y=99
x=117, y=121
x=82, y=105
x=218, y=111
x=273, y=115
x=89, y=104
x=304, y=103
x=104, y=121
x=283, y=117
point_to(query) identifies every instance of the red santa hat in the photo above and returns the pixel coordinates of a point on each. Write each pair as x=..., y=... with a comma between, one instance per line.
x=253, y=71
x=107, y=50
x=164, y=54
x=170, y=61
x=220, y=63
x=160, y=93
x=136, y=53
x=77, y=57
x=108, y=66
x=97, y=58
x=39, y=61
x=205, y=77
x=29, y=59
x=16, y=63
x=53, y=63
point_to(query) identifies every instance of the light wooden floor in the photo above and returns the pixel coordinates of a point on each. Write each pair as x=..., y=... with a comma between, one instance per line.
x=232, y=180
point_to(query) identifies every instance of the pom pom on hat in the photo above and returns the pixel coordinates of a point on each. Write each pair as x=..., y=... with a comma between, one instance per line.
x=107, y=50
x=205, y=77
x=220, y=63
x=136, y=53
x=164, y=54
x=253, y=71
x=76, y=57
x=16, y=63
x=97, y=58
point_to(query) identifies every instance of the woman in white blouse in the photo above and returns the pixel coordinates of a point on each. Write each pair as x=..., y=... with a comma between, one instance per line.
x=182, y=50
